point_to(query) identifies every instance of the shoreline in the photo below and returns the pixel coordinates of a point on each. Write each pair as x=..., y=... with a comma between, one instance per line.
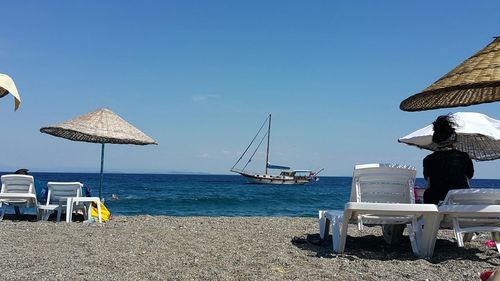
x=223, y=248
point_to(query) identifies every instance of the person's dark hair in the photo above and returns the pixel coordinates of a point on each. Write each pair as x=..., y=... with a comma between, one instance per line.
x=21, y=172
x=444, y=128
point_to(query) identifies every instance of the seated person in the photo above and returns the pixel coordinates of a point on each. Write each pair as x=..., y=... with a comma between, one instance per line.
x=446, y=168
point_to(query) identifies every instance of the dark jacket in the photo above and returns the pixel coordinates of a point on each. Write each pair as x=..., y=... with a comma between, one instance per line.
x=446, y=170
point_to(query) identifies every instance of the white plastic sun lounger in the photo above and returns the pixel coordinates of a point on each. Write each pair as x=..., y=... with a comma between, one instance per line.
x=57, y=198
x=382, y=194
x=424, y=217
x=17, y=191
x=472, y=210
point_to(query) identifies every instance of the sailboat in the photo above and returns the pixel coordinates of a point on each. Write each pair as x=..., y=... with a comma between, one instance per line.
x=286, y=175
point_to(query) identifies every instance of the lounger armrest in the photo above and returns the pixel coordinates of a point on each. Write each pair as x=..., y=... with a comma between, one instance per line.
x=16, y=195
x=6, y=197
x=470, y=210
x=392, y=208
x=48, y=207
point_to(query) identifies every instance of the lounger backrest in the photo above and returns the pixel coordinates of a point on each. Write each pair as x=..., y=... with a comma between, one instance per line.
x=473, y=196
x=62, y=190
x=17, y=184
x=383, y=183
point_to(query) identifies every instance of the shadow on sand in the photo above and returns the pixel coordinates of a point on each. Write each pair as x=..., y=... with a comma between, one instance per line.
x=33, y=218
x=371, y=247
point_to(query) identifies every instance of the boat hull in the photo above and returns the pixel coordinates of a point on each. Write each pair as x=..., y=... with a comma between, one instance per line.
x=276, y=179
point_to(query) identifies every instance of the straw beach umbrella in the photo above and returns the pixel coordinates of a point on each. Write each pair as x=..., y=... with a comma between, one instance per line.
x=101, y=126
x=7, y=86
x=476, y=80
x=477, y=134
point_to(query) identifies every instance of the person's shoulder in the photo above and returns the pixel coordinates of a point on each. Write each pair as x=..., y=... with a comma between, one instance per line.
x=430, y=156
x=465, y=155
x=460, y=154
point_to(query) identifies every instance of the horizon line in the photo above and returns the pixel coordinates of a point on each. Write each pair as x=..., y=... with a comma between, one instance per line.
x=185, y=173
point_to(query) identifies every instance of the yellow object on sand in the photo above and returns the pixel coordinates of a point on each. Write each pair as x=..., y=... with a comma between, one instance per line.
x=105, y=214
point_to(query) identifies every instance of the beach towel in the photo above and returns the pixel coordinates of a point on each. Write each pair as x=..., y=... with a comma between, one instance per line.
x=105, y=214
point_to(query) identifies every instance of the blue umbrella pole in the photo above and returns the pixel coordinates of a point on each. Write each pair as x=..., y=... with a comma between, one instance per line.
x=102, y=174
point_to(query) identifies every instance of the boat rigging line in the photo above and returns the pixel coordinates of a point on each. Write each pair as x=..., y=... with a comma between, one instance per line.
x=257, y=148
x=265, y=121
x=319, y=171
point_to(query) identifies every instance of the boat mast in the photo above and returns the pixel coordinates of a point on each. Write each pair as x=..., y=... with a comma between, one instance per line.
x=268, y=136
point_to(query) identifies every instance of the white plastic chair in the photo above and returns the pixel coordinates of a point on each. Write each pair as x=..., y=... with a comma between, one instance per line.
x=17, y=191
x=383, y=194
x=57, y=198
x=472, y=210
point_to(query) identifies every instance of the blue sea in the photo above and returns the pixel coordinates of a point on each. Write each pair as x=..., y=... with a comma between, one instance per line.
x=216, y=195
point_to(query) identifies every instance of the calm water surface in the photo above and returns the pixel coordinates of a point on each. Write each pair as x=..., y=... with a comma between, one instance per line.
x=215, y=195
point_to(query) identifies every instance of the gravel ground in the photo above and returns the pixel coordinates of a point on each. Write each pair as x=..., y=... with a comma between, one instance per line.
x=222, y=248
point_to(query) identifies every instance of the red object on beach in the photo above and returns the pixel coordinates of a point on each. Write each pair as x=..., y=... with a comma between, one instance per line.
x=418, y=193
x=485, y=275
x=490, y=243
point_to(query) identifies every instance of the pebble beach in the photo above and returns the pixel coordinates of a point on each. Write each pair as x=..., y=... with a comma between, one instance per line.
x=222, y=248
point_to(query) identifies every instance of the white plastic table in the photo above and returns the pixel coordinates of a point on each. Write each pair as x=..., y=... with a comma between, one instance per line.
x=71, y=201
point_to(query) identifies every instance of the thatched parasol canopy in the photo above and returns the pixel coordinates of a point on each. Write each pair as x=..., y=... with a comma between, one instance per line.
x=100, y=126
x=476, y=80
x=7, y=86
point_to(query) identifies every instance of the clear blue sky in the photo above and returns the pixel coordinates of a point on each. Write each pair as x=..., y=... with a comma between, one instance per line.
x=200, y=76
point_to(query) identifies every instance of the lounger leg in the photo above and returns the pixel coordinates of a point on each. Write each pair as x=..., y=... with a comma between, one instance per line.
x=59, y=210
x=69, y=209
x=336, y=241
x=343, y=233
x=415, y=234
x=360, y=223
x=428, y=229
x=323, y=225
x=38, y=214
x=88, y=209
x=69, y=214
x=3, y=211
x=46, y=215
x=458, y=233
x=412, y=227
x=17, y=210
x=99, y=211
